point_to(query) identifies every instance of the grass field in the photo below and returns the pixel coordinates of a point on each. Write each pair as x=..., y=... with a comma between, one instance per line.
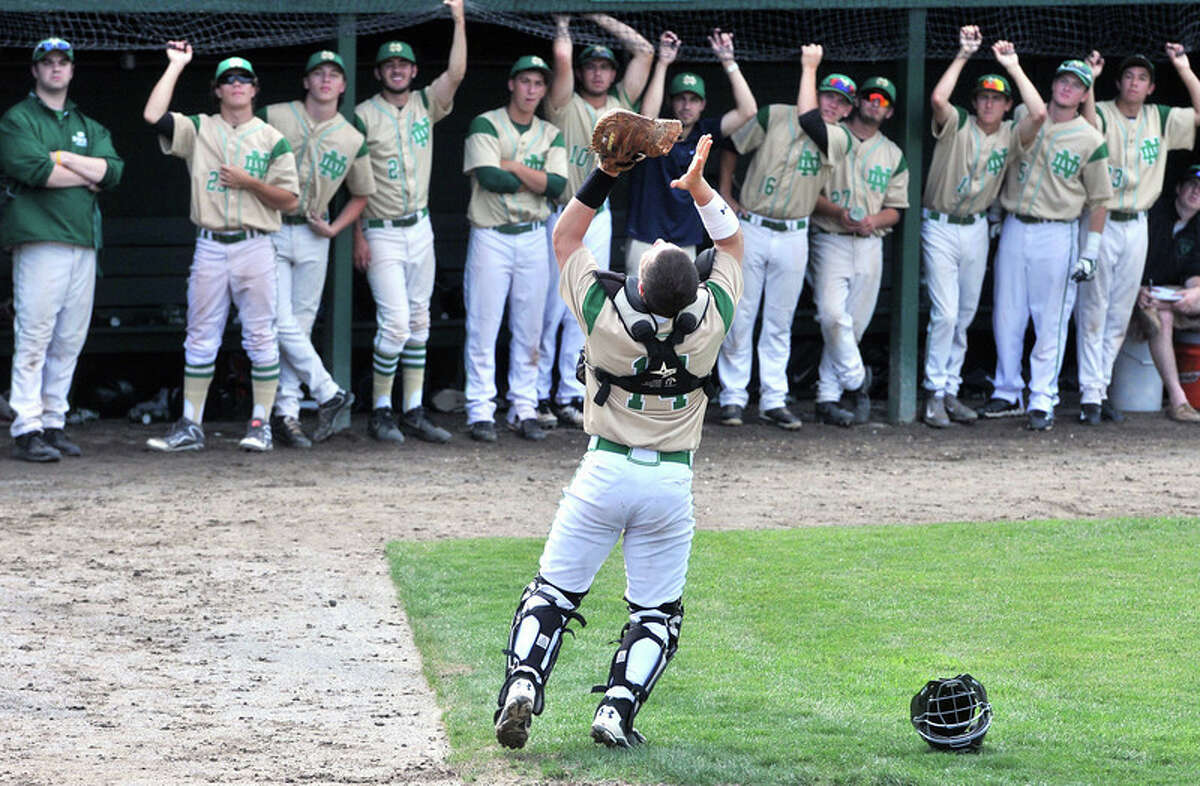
x=801, y=649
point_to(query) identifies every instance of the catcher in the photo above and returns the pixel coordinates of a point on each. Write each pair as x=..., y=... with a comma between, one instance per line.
x=651, y=343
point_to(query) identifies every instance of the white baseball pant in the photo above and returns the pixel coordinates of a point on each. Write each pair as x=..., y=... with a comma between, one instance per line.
x=955, y=257
x=773, y=269
x=846, y=271
x=634, y=250
x=1104, y=304
x=1032, y=279
x=242, y=273
x=610, y=494
x=503, y=268
x=401, y=276
x=53, y=288
x=301, y=258
x=598, y=240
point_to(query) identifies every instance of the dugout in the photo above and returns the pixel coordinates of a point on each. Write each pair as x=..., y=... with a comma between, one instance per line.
x=137, y=327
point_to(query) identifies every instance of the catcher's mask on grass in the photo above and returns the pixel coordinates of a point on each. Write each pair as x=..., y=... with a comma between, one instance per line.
x=952, y=714
x=668, y=279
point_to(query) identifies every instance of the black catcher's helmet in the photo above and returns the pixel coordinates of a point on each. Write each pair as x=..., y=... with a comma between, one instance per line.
x=952, y=714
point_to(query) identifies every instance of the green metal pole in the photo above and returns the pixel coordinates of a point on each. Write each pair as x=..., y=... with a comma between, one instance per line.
x=902, y=379
x=340, y=284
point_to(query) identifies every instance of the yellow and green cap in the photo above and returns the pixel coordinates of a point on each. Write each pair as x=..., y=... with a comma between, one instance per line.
x=234, y=64
x=1077, y=67
x=530, y=63
x=994, y=83
x=840, y=84
x=323, y=57
x=687, y=82
x=392, y=49
x=879, y=84
x=53, y=44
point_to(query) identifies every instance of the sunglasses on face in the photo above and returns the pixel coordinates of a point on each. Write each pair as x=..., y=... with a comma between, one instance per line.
x=236, y=79
x=879, y=99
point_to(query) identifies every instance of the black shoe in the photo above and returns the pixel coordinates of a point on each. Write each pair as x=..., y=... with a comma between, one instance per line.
x=382, y=426
x=328, y=412
x=1090, y=414
x=1040, y=420
x=286, y=429
x=782, y=417
x=999, y=408
x=545, y=414
x=862, y=398
x=831, y=413
x=483, y=431
x=528, y=429
x=1109, y=412
x=57, y=439
x=569, y=414
x=32, y=447
x=731, y=415
x=415, y=422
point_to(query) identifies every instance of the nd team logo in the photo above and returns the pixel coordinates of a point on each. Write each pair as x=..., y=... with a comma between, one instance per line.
x=79, y=139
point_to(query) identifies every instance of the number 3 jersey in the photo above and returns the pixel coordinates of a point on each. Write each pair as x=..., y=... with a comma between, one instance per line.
x=633, y=419
x=1063, y=171
x=968, y=165
x=1137, y=150
x=400, y=141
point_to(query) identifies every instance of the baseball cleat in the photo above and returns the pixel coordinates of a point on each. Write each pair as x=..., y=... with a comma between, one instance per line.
x=782, y=417
x=935, y=412
x=415, y=422
x=288, y=429
x=608, y=728
x=327, y=413
x=57, y=439
x=1000, y=408
x=514, y=718
x=731, y=415
x=183, y=435
x=569, y=414
x=258, y=437
x=528, y=429
x=1040, y=420
x=831, y=413
x=33, y=447
x=958, y=411
x=382, y=426
x=483, y=431
x=545, y=414
x=1090, y=414
x=1109, y=412
x=862, y=398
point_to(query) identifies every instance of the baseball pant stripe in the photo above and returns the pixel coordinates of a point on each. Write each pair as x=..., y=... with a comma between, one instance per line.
x=955, y=258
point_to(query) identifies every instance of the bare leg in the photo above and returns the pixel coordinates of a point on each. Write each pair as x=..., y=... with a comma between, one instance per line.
x=1162, y=350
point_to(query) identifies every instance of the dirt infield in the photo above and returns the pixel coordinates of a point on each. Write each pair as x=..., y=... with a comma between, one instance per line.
x=225, y=617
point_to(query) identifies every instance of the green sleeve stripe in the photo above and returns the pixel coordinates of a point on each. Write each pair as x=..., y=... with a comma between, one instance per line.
x=901, y=167
x=261, y=114
x=849, y=139
x=962, y=116
x=1163, y=112
x=1103, y=122
x=360, y=124
x=724, y=303
x=559, y=141
x=593, y=301
x=362, y=151
x=281, y=147
x=1101, y=152
x=195, y=121
x=481, y=125
x=424, y=97
x=764, y=117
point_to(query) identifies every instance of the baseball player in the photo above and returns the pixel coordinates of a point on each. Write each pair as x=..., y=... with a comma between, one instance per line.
x=1138, y=136
x=969, y=160
x=635, y=479
x=860, y=204
x=60, y=159
x=393, y=245
x=243, y=176
x=575, y=113
x=795, y=150
x=328, y=151
x=518, y=164
x=1039, y=261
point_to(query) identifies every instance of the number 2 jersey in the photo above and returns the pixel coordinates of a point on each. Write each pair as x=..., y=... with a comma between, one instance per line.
x=874, y=175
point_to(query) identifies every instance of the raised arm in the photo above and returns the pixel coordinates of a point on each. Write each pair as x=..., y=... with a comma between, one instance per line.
x=446, y=85
x=1027, y=129
x=744, y=104
x=717, y=216
x=563, y=83
x=1087, y=109
x=1179, y=59
x=969, y=40
x=668, y=50
x=179, y=54
x=811, y=56
x=577, y=216
x=638, y=69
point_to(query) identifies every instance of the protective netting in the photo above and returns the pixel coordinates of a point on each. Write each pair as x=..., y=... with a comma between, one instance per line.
x=857, y=34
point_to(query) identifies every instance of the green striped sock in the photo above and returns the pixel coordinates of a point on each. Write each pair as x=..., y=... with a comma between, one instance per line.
x=412, y=362
x=384, y=377
x=196, y=380
x=263, y=381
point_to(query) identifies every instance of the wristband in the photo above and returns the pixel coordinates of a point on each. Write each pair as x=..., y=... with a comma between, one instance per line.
x=718, y=219
x=731, y=67
x=58, y=157
x=595, y=189
x=1091, y=248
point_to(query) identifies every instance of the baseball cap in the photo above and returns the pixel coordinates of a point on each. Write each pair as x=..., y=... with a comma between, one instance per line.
x=838, y=83
x=687, y=83
x=1192, y=174
x=529, y=63
x=323, y=57
x=597, y=52
x=995, y=83
x=1077, y=67
x=52, y=44
x=392, y=49
x=1136, y=60
x=879, y=84
x=232, y=64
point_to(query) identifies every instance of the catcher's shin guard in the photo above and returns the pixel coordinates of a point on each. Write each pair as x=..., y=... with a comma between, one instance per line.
x=538, y=626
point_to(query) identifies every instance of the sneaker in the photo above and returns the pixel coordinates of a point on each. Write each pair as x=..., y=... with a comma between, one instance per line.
x=57, y=439
x=959, y=412
x=999, y=408
x=483, y=431
x=1184, y=413
x=862, y=399
x=183, y=435
x=32, y=446
x=1109, y=412
x=834, y=414
x=258, y=437
x=610, y=728
x=289, y=432
x=1089, y=414
x=935, y=412
x=570, y=414
x=416, y=423
x=515, y=715
x=731, y=415
x=528, y=429
x=1040, y=420
x=327, y=413
x=782, y=417
x=382, y=426
x=545, y=414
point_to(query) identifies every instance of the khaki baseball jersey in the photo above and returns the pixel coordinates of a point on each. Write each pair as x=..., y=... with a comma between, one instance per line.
x=873, y=175
x=494, y=138
x=1137, y=150
x=576, y=119
x=327, y=153
x=1063, y=171
x=400, y=141
x=206, y=142
x=634, y=419
x=968, y=165
x=789, y=170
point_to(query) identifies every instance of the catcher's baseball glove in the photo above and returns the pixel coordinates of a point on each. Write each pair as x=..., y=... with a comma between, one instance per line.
x=622, y=138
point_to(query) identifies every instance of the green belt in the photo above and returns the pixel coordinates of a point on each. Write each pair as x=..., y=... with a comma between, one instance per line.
x=607, y=445
x=1117, y=215
x=295, y=220
x=227, y=237
x=782, y=226
x=1032, y=220
x=949, y=219
x=403, y=221
x=519, y=229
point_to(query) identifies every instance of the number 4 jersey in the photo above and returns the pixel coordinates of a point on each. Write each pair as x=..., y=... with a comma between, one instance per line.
x=968, y=165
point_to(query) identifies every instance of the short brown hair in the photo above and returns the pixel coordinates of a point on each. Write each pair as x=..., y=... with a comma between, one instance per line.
x=669, y=281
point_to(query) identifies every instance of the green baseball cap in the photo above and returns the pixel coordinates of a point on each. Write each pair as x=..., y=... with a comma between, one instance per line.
x=52, y=44
x=597, y=52
x=1077, y=67
x=687, y=82
x=840, y=84
x=234, y=64
x=879, y=84
x=1136, y=60
x=995, y=83
x=395, y=49
x=323, y=57
x=530, y=63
